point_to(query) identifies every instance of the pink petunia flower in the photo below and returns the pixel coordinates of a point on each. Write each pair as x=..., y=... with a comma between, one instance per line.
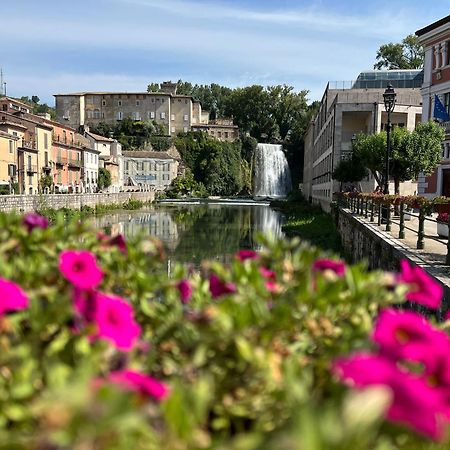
x=185, y=290
x=243, y=255
x=405, y=335
x=423, y=289
x=34, y=220
x=322, y=265
x=115, y=321
x=12, y=297
x=217, y=287
x=80, y=268
x=140, y=383
x=267, y=273
x=414, y=402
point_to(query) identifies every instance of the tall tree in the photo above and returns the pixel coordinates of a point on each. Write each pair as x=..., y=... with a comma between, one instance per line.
x=408, y=54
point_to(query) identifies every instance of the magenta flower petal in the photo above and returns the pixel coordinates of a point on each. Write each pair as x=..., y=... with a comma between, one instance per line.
x=321, y=265
x=12, y=297
x=115, y=321
x=423, y=289
x=267, y=273
x=120, y=242
x=185, y=290
x=80, y=268
x=34, y=220
x=140, y=383
x=243, y=255
x=217, y=287
x=414, y=402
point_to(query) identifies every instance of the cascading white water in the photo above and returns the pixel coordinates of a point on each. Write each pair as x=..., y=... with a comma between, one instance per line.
x=271, y=174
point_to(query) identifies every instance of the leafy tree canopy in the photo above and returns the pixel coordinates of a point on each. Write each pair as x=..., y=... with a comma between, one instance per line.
x=408, y=54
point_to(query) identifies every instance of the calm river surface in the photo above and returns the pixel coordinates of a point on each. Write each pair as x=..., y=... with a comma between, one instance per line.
x=194, y=232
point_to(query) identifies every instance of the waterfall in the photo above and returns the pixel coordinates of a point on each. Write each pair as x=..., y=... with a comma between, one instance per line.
x=272, y=177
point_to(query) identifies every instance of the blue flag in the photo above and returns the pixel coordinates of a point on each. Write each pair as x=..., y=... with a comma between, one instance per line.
x=439, y=110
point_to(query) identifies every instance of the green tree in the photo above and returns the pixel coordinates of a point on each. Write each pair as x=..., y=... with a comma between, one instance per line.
x=350, y=170
x=408, y=54
x=104, y=178
x=153, y=87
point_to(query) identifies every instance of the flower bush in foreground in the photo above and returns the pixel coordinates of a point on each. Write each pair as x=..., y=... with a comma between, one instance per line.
x=101, y=350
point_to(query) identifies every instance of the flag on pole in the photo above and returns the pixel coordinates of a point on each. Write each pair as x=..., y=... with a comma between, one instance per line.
x=440, y=112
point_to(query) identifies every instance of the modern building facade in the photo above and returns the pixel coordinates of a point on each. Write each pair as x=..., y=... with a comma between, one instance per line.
x=436, y=41
x=345, y=111
x=147, y=168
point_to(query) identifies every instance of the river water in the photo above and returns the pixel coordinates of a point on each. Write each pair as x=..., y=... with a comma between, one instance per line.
x=194, y=232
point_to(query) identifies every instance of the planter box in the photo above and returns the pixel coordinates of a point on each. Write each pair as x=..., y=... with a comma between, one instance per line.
x=442, y=229
x=444, y=208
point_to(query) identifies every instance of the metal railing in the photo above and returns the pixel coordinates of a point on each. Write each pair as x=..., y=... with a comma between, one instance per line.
x=74, y=162
x=385, y=215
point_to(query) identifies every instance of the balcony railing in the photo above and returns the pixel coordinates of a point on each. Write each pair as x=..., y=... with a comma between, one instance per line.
x=63, y=140
x=74, y=162
x=446, y=127
x=29, y=168
x=28, y=144
x=61, y=160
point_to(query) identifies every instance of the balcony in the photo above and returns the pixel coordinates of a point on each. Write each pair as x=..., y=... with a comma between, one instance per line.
x=64, y=140
x=61, y=160
x=446, y=127
x=30, y=169
x=75, y=163
x=28, y=145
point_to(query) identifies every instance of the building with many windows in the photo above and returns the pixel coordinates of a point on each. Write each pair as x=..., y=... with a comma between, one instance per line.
x=149, y=169
x=350, y=108
x=436, y=84
x=221, y=129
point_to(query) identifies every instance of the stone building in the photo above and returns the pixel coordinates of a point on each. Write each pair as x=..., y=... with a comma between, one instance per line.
x=436, y=83
x=149, y=169
x=8, y=162
x=345, y=111
x=221, y=129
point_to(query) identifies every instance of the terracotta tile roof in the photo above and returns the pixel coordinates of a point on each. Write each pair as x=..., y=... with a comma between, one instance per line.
x=146, y=154
x=98, y=137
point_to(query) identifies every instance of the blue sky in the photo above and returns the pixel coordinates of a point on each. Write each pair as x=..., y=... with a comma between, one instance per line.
x=60, y=46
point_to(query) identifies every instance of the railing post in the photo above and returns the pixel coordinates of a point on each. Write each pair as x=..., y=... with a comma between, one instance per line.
x=388, y=217
x=379, y=214
x=366, y=213
x=401, y=233
x=447, y=258
x=420, y=233
x=357, y=205
x=372, y=206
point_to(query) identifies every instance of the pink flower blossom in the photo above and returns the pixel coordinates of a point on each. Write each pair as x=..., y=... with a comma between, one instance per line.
x=119, y=242
x=185, y=290
x=80, y=268
x=140, y=383
x=242, y=255
x=113, y=317
x=115, y=321
x=423, y=289
x=267, y=273
x=414, y=403
x=322, y=265
x=405, y=335
x=12, y=297
x=34, y=220
x=217, y=287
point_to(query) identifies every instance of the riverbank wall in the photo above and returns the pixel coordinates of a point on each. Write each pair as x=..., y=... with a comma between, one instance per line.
x=27, y=203
x=366, y=242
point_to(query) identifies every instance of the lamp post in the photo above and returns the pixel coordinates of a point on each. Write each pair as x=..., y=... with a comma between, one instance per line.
x=389, y=104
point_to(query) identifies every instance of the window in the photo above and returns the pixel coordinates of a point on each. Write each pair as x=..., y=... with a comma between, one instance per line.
x=447, y=102
x=11, y=170
x=185, y=129
x=163, y=100
x=173, y=116
x=186, y=117
x=138, y=102
x=119, y=103
x=127, y=166
x=163, y=115
x=152, y=114
x=226, y=134
x=119, y=115
x=185, y=101
x=137, y=115
x=45, y=141
x=11, y=148
x=96, y=114
x=103, y=102
x=173, y=129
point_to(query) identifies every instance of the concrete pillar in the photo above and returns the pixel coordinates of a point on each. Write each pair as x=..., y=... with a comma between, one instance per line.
x=444, y=51
x=437, y=56
x=410, y=120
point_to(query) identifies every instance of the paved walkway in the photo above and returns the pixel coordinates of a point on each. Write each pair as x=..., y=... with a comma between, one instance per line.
x=432, y=257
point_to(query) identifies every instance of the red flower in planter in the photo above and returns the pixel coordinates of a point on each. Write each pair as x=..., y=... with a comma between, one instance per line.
x=185, y=290
x=243, y=255
x=322, y=265
x=34, y=220
x=217, y=287
x=80, y=268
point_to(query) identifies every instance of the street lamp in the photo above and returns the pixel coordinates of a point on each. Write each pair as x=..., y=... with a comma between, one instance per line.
x=389, y=104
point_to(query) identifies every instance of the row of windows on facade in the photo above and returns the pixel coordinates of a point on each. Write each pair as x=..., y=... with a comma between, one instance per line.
x=147, y=166
x=93, y=100
x=322, y=172
x=219, y=134
x=446, y=150
x=441, y=54
x=323, y=193
x=97, y=114
x=324, y=142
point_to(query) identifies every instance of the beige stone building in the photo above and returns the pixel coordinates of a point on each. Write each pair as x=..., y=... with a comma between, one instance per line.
x=346, y=111
x=221, y=129
x=149, y=169
x=8, y=162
